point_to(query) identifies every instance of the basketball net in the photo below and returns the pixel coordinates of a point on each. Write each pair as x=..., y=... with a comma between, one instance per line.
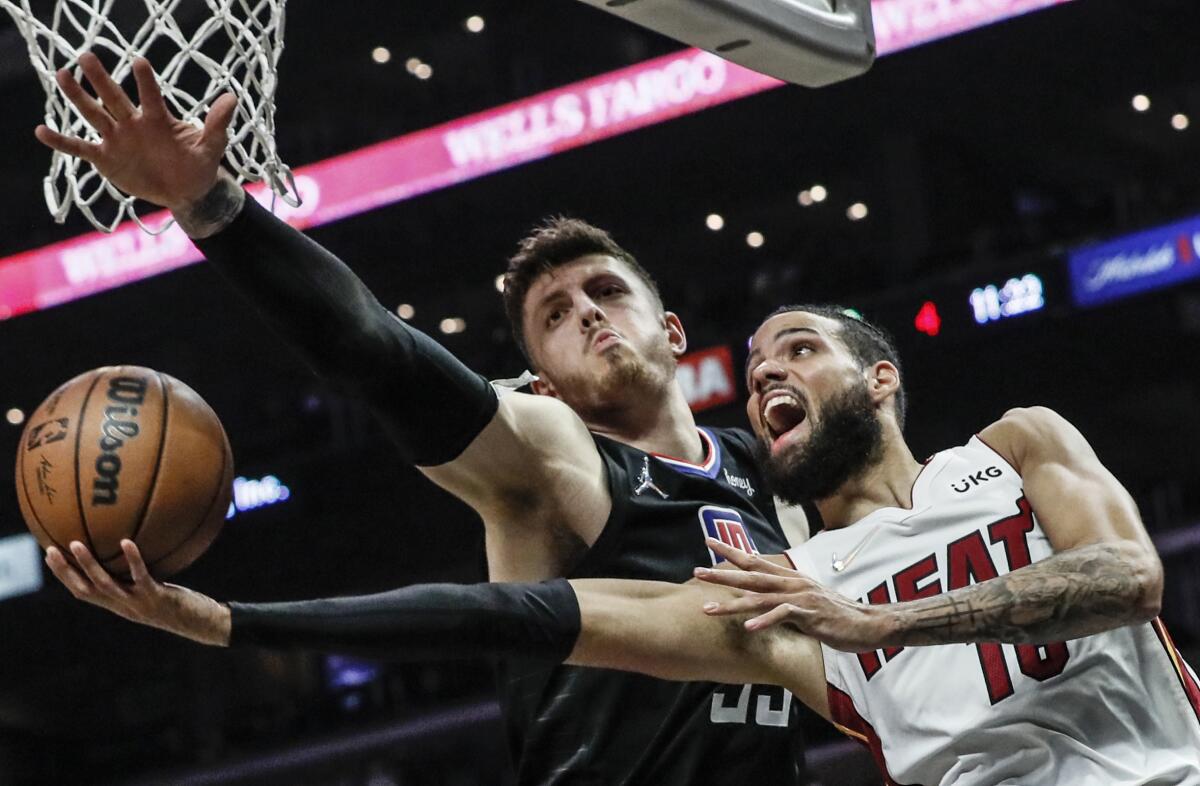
x=214, y=46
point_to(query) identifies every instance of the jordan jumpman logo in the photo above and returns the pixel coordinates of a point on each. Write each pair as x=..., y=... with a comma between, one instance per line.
x=645, y=482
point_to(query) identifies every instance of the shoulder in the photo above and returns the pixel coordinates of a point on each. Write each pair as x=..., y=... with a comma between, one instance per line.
x=542, y=419
x=1027, y=434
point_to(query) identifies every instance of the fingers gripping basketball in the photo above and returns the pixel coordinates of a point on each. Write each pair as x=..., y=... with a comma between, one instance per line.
x=125, y=452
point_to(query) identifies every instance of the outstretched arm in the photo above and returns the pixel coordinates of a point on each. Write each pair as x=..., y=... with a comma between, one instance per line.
x=658, y=629
x=308, y=295
x=649, y=627
x=1105, y=572
x=433, y=406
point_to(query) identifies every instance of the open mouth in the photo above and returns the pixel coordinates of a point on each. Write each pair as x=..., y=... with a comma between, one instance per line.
x=781, y=414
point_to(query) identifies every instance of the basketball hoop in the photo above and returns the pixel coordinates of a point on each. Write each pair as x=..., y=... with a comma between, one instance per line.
x=200, y=50
x=806, y=42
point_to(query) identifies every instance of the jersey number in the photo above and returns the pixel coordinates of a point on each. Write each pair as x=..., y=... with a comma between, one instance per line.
x=726, y=709
x=1039, y=662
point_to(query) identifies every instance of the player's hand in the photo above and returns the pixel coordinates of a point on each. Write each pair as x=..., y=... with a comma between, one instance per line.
x=144, y=150
x=167, y=606
x=781, y=596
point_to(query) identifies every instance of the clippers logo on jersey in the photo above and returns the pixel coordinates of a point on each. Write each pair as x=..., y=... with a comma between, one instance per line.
x=727, y=526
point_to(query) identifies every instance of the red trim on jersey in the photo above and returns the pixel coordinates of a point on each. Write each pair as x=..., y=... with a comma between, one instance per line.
x=1186, y=680
x=855, y=726
x=707, y=467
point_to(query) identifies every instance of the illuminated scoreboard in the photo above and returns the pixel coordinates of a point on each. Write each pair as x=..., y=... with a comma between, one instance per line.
x=1017, y=296
x=965, y=306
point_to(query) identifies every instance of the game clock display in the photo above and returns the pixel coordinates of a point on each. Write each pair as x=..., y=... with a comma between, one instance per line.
x=969, y=308
x=1017, y=296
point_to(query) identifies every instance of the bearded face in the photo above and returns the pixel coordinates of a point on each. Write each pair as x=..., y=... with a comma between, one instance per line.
x=814, y=407
x=844, y=440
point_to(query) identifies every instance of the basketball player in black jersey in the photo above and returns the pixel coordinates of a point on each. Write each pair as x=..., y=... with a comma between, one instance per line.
x=575, y=481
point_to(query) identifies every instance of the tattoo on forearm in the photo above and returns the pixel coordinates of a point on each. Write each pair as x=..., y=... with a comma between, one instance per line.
x=1072, y=594
x=214, y=211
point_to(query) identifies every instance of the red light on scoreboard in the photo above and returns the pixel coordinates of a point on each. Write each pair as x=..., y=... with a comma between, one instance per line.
x=928, y=320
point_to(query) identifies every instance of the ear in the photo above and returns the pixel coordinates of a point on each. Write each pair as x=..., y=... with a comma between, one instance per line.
x=675, y=333
x=883, y=380
x=543, y=387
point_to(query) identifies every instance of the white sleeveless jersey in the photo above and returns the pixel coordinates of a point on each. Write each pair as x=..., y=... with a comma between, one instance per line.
x=1120, y=707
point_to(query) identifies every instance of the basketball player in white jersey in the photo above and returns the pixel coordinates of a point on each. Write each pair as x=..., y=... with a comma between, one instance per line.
x=988, y=617
x=1020, y=536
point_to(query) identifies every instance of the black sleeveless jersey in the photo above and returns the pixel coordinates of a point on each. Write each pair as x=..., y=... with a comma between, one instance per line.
x=574, y=726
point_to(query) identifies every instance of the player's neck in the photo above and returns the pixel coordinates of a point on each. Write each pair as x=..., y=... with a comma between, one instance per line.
x=886, y=483
x=661, y=423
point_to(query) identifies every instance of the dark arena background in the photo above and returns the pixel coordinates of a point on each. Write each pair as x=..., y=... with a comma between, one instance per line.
x=1018, y=203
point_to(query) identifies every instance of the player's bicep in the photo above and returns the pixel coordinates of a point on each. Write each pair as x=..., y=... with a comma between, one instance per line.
x=535, y=451
x=660, y=629
x=1076, y=499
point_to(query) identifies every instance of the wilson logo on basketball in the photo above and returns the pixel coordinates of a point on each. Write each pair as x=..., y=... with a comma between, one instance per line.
x=120, y=424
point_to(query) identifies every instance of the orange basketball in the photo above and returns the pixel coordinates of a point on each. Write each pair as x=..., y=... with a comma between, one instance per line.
x=125, y=452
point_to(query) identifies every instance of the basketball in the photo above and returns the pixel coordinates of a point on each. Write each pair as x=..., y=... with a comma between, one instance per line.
x=125, y=452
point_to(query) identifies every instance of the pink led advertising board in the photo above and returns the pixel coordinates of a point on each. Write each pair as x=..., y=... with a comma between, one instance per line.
x=552, y=122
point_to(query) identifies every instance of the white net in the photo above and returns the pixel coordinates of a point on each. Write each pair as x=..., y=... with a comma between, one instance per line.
x=199, y=48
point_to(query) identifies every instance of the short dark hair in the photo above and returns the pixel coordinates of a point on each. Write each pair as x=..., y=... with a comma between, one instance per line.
x=554, y=242
x=868, y=343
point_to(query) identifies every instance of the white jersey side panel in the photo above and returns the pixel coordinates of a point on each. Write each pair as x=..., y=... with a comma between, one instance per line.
x=1117, y=708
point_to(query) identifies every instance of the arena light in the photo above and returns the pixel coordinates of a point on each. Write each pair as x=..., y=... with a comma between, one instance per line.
x=412, y=64
x=405, y=311
x=755, y=239
x=491, y=141
x=818, y=193
x=1141, y=103
x=928, y=320
x=20, y=565
x=805, y=198
x=347, y=672
x=15, y=416
x=423, y=71
x=857, y=212
x=715, y=222
x=253, y=493
x=1180, y=122
x=474, y=24
x=381, y=54
x=452, y=325
x=499, y=283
